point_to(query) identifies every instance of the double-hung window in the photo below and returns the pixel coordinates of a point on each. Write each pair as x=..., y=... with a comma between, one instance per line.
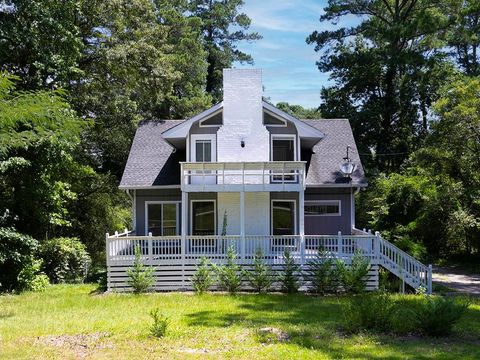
x=162, y=218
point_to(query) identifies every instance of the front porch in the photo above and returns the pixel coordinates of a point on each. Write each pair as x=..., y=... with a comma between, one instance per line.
x=175, y=257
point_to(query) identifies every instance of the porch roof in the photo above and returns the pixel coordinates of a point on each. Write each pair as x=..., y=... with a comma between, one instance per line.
x=154, y=162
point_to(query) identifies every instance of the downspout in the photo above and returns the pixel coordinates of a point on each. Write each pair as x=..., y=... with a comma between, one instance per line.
x=134, y=212
x=352, y=205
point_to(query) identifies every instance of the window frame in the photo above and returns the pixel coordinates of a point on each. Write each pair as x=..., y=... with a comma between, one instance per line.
x=214, y=216
x=294, y=215
x=324, y=202
x=202, y=137
x=160, y=202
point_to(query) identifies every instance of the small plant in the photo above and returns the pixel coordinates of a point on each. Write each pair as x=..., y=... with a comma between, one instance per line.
x=322, y=274
x=230, y=274
x=203, y=279
x=160, y=323
x=261, y=277
x=140, y=277
x=373, y=312
x=31, y=278
x=437, y=315
x=354, y=277
x=290, y=274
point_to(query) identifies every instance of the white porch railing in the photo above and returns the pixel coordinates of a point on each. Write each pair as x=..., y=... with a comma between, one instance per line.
x=243, y=176
x=167, y=250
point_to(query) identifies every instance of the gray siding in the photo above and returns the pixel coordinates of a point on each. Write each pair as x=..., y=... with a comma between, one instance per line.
x=329, y=225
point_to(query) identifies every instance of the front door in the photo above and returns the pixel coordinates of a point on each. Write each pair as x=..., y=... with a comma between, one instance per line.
x=203, y=149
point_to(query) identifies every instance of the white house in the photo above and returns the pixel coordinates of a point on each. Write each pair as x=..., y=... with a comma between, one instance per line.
x=247, y=174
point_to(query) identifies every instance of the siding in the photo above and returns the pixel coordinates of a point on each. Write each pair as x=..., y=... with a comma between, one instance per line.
x=329, y=225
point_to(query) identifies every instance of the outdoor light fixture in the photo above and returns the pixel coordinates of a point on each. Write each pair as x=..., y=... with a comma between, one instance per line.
x=348, y=166
x=242, y=143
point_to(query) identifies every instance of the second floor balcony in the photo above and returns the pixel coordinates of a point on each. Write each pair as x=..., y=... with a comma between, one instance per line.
x=242, y=176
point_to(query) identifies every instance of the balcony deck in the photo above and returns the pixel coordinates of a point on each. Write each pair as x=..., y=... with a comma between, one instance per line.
x=242, y=176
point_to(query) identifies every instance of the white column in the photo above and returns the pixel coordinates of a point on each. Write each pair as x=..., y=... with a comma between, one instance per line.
x=242, y=224
x=301, y=224
x=184, y=230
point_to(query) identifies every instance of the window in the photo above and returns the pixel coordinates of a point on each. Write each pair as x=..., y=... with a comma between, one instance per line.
x=203, y=218
x=283, y=149
x=283, y=217
x=203, y=150
x=323, y=208
x=162, y=218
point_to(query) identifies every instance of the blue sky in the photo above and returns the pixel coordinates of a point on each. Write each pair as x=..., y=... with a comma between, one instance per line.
x=288, y=63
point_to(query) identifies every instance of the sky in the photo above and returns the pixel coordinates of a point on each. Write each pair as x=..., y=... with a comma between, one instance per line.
x=287, y=61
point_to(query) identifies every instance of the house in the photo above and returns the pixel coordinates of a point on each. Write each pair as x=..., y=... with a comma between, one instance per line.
x=245, y=174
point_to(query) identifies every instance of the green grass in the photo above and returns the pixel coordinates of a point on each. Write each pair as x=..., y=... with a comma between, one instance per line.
x=61, y=323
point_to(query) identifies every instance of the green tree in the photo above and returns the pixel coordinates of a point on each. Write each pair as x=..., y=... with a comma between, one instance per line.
x=223, y=27
x=40, y=42
x=299, y=111
x=387, y=70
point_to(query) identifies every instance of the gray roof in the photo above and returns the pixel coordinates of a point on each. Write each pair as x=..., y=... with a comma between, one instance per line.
x=152, y=161
x=323, y=168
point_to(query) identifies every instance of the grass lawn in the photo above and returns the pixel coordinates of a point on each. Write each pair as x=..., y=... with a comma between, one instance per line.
x=71, y=322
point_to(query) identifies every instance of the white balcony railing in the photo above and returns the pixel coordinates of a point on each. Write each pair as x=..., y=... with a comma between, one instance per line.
x=243, y=176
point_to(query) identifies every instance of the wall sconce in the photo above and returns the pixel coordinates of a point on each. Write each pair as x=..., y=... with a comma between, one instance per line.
x=242, y=143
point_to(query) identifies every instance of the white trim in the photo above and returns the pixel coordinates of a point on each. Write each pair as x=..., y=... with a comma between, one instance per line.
x=271, y=113
x=177, y=215
x=204, y=137
x=336, y=185
x=324, y=202
x=200, y=123
x=190, y=217
x=282, y=137
x=145, y=187
x=294, y=213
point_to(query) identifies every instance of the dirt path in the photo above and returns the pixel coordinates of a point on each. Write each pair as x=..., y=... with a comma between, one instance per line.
x=458, y=280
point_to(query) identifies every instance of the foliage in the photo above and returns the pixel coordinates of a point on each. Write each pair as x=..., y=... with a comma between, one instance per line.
x=438, y=315
x=203, y=279
x=354, y=277
x=140, y=277
x=160, y=323
x=64, y=259
x=290, y=274
x=373, y=312
x=299, y=111
x=230, y=274
x=31, y=278
x=16, y=255
x=261, y=276
x=322, y=273
x=223, y=27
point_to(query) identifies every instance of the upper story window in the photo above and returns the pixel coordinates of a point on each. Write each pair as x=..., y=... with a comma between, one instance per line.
x=284, y=148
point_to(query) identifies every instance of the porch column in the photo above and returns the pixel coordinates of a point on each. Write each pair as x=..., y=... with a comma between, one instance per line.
x=242, y=224
x=301, y=224
x=184, y=230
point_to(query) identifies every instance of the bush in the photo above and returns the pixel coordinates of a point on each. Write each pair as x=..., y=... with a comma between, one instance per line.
x=354, y=277
x=322, y=274
x=160, y=324
x=16, y=253
x=230, y=274
x=64, y=260
x=140, y=277
x=290, y=274
x=31, y=278
x=373, y=312
x=203, y=279
x=261, y=276
x=438, y=315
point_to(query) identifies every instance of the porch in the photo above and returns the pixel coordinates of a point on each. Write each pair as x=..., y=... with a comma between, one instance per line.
x=175, y=257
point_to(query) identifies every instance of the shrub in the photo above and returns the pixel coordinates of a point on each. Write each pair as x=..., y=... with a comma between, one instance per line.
x=160, y=323
x=230, y=274
x=203, y=279
x=374, y=312
x=290, y=274
x=64, y=260
x=261, y=276
x=31, y=278
x=438, y=315
x=16, y=253
x=140, y=277
x=322, y=274
x=354, y=277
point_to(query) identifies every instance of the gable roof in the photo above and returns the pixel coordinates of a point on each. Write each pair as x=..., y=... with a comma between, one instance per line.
x=154, y=162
